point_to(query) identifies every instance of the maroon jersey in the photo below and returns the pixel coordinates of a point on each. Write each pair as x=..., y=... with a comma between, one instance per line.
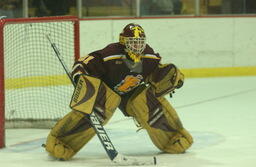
x=112, y=66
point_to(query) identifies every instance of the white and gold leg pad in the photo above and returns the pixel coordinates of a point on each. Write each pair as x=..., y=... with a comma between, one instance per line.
x=74, y=130
x=161, y=121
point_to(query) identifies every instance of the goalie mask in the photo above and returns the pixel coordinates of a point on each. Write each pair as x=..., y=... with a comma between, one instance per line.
x=134, y=40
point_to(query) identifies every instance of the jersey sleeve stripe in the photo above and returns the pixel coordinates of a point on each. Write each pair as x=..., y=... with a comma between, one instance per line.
x=112, y=57
x=150, y=56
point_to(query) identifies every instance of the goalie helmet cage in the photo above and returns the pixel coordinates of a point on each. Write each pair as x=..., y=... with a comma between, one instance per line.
x=34, y=89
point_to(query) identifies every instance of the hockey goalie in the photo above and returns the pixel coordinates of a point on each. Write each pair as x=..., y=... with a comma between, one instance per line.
x=127, y=75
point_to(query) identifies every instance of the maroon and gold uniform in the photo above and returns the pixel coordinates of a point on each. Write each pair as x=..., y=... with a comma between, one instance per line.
x=128, y=75
x=112, y=66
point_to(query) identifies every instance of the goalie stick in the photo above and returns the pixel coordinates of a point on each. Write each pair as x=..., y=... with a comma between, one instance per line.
x=99, y=129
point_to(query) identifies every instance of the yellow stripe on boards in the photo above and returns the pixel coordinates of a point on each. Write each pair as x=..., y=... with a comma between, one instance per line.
x=37, y=81
x=58, y=80
x=219, y=72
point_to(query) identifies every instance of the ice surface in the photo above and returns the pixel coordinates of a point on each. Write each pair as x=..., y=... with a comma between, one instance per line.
x=220, y=113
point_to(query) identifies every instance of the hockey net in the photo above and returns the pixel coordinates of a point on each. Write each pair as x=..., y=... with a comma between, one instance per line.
x=35, y=91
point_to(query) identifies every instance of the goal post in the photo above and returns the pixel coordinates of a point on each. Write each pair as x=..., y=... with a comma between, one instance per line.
x=2, y=115
x=34, y=89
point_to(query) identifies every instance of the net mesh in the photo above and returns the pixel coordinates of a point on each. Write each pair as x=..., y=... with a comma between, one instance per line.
x=37, y=90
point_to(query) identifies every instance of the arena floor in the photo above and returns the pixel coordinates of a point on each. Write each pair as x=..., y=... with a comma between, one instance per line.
x=220, y=113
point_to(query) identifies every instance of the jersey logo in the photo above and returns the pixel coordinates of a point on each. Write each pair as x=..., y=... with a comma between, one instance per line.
x=130, y=82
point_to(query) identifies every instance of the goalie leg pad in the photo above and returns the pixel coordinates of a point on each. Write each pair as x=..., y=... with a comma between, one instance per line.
x=106, y=103
x=69, y=135
x=74, y=130
x=85, y=93
x=161, y=121
x=91, y=93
